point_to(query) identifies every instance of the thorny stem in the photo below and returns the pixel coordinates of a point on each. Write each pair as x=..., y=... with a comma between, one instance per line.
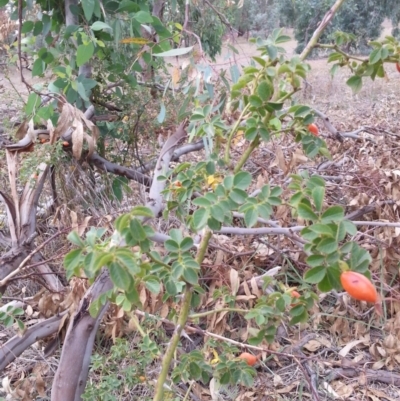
x=231, y=135
x=338, y=50
x=182, y=320
x=246, y=155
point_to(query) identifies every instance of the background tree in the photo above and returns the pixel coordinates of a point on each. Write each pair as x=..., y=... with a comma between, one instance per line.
x=360, y=18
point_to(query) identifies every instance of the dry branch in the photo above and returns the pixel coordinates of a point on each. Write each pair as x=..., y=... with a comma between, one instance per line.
x=17, y=345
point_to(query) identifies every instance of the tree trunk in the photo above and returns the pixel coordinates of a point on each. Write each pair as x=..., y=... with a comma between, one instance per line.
x=70, y=379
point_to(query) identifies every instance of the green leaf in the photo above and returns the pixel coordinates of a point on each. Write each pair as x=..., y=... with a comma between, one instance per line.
x=333, y=275
x=297, y=310
x=190, y=276
x=142, y=211
x=171, y=245
x=375, y=56
x=176, y=235
x=315, y=275
x=8, y=321
x=73, y=259
x=128, y=6
x=238, y=196
x=218, y=213
x=200, y=218
x=303, y=317
x=250, y=217
x=27, y=26
x=201, y=202
x=186, y=244
x=137, y=230
x=315, y=260
x=325, y=285
x=228, y=182
x=88, y=8
x=126, y=258
x=316, y=181
x=251, y=133
x=143, y=17
x=272, y=51
x=264, y=90
x=21, y=325
x=302, y=111
x=273, y=106
x=38, y=68
x=99, y=26
x=94, y=308
x=120, y=276
x=333, y=213
x=116, y=183
x=213, y=224
x=255, y=101
x=174, y=52
x=242, y=180
x=32, y=104
x=322, y=229
x=318, y=194
x=17, y=312
x=170, y=287
x=101, y=259
x=152, y=283
x=74, y=237
x=3, y=3
x=264, y=134
x=355, y=83
x=84, y=53
x=306, y=212
x=327, y=245
x=350, y=227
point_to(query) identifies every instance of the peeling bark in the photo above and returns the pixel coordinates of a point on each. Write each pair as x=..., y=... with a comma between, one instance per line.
x=70, y=379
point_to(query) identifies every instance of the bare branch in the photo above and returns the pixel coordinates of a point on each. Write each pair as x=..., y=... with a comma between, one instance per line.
x=105, y=165
x=17, y=345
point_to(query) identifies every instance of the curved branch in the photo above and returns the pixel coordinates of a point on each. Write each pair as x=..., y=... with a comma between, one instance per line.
x=183, y=150
x=105, y=165
x=17, y=345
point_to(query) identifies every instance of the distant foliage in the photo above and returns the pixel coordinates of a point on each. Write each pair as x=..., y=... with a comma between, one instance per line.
x=392, y=11
x=210, y=29
x=259, y=17
x=359, y=17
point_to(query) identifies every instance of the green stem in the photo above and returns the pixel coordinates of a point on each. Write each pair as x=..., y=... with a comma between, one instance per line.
x=246, y=154
x=182, y=320
x=201, y=253
x=338, y=50
x=231, y=135
x=211, y=312
x=173, y=344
